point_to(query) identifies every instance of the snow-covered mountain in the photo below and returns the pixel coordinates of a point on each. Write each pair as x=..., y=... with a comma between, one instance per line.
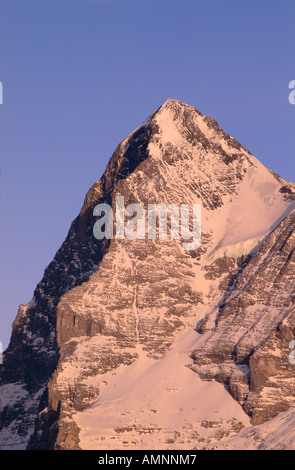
x=140, y=344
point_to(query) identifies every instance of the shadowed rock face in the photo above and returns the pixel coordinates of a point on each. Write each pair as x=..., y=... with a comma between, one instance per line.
x=103, y=305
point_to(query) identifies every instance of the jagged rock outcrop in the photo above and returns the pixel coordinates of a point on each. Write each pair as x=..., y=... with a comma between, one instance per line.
x=106, y=308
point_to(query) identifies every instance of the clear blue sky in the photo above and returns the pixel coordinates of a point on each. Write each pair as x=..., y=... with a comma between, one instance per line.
x=79, y=75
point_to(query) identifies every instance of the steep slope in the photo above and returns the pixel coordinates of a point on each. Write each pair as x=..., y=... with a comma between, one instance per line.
x=275, y=434
x=249, y=348
x=113, y=311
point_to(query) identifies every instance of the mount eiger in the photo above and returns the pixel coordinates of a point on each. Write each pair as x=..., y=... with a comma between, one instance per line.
x=139, y=344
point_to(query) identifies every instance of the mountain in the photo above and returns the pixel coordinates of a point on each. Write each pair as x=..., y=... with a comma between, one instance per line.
x=141, y=344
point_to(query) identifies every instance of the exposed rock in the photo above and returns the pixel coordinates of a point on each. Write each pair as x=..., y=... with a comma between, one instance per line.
x=105, y=307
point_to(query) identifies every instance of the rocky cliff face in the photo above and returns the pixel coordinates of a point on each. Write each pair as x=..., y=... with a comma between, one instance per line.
x=113, y=350
x=249, y=346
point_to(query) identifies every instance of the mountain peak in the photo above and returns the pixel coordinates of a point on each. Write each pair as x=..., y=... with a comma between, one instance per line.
x=177, y=117
x=174, y=103
x=177, y=108
x=106, y=340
